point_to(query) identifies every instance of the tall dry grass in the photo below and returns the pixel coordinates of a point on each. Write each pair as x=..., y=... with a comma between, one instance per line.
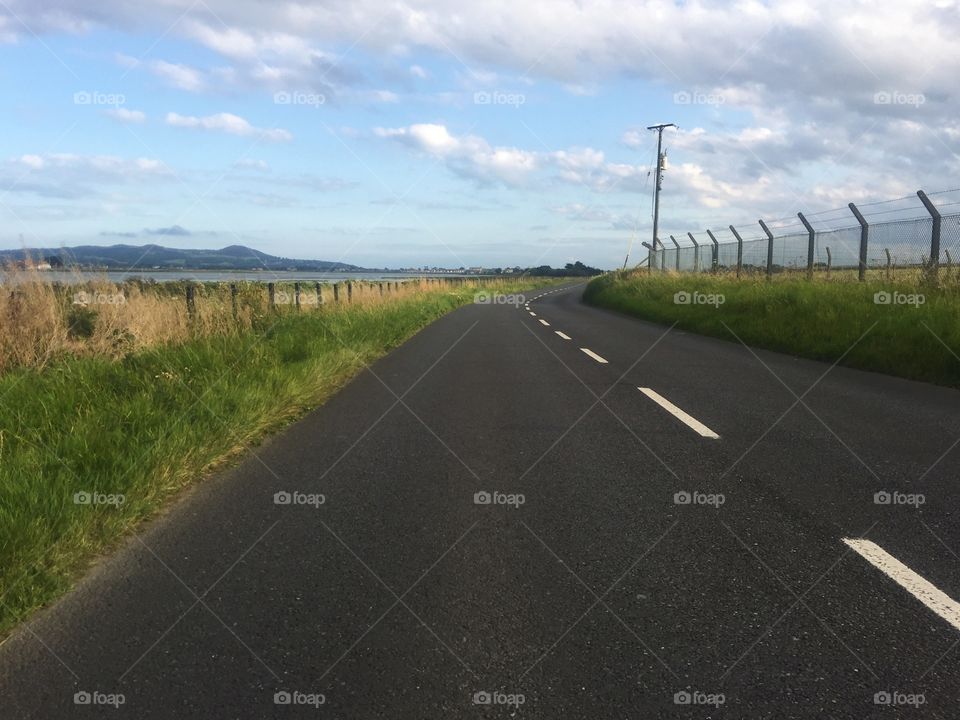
x=41, y=320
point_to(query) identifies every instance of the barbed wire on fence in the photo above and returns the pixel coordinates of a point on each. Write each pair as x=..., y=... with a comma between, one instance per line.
x=923, y=231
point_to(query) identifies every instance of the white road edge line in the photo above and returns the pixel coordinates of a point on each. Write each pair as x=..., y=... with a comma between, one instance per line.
x=922, y=589
x=592, y=354
x=691, y=422
x=565, y=337
x=544, y=322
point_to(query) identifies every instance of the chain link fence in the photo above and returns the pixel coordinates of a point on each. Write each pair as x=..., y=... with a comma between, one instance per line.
x=917, y=232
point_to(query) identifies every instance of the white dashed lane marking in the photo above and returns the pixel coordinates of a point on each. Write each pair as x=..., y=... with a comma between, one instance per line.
x=565, y=337
x=544, y=322
x=691, y=422
x=918, y=586
x=592, y=354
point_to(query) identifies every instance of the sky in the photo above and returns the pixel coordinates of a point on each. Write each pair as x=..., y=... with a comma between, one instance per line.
x=438, y=133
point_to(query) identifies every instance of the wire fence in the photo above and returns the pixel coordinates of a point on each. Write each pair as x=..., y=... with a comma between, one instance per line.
x=919, y=232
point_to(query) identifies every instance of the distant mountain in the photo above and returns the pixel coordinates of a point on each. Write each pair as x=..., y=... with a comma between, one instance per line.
x=146, y=257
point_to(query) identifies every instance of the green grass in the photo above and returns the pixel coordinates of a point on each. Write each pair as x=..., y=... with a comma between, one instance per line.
x=819, y=319
x=150, y=424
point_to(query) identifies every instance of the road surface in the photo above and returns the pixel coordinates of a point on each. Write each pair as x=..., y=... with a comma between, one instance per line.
x=542, y=510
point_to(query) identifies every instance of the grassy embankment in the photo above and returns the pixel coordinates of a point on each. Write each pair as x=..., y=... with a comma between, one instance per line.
x=142, y=402
x=820, y=318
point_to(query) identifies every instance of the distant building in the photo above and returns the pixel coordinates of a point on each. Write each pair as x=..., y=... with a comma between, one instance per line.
x=30, y=265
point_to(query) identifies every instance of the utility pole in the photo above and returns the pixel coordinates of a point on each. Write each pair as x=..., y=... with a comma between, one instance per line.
x=656, y=192
x=627, y=258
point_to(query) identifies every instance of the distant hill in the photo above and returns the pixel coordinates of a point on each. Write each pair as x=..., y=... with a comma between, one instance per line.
x=123, y=257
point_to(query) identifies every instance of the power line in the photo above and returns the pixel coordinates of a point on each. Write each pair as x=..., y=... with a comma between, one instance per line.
x=886, y=202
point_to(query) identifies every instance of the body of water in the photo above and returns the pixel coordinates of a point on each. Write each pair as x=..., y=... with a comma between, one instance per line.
x=116, y=276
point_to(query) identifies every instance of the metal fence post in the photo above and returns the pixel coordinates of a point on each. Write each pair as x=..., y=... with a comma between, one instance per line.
x=696, y=252
x=935, y=235
x=739, y=249
x=811, y=243
x=864, y=238
x=677, y=246
x=769, y=247
x=716, y=250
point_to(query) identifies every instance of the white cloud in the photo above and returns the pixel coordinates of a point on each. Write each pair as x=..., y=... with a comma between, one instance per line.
x=250, y=164
x=385, y=96
x=470, y=156
x=474, y=157
x=634, y=139
x=432, y=138
x=228, y=123
x=34, y=162
x=70, y=175
x=797, y=80
x=180, y=76
x=126, y=116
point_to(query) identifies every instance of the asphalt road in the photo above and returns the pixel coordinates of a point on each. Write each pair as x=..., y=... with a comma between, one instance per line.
x=587, y=587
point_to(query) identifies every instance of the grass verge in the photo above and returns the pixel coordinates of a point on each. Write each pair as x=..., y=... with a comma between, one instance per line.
x=151, y=423
x=914, y=335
